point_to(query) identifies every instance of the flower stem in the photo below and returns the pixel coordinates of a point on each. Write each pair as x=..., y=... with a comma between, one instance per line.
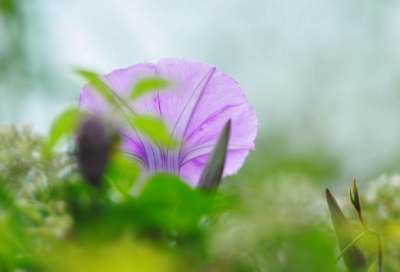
x=357, y=239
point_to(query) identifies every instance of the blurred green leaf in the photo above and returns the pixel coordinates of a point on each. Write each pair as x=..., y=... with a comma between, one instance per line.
x=212, y=173
x=154, y=128
x=354, y=258
x=165, y=188
x=373, y=267
x=123, y=172
x=148, y=85
x=64, y=124
x=98, y=85
x=8, y=7
x=166, y=201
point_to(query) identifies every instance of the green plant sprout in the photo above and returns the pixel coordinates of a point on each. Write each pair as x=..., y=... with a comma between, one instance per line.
x=355, y=200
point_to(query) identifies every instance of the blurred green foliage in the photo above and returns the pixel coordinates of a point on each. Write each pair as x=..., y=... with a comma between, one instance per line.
x=55, y=218
x=279, y=225
x=271, y=216
x=14, y=60
x=8, y=7
x=274, y=155
x=381, y=211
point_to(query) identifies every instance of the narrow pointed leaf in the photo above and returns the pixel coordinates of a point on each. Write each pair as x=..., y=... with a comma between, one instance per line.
x=148, y=85
x=212, y=173
x=98, y=85
x=353, y=258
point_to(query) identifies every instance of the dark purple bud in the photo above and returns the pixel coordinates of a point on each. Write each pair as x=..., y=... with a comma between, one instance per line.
x=95, y=143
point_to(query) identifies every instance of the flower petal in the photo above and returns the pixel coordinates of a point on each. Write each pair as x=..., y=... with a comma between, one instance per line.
x=221, y=99
x=192, y=170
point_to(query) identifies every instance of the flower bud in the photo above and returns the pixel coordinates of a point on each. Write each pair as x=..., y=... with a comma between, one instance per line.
x=212, y=173
x=95, y=143
x=355, y=200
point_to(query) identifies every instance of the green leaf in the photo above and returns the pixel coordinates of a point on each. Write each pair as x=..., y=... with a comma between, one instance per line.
x=212, y=173
x=353, y=258
x=148, y=85
x=64, y=125
x=123, y=172
x=154, y=128
x=166, y=188
x=98, y=85
x=167, y=201
x=373, y=267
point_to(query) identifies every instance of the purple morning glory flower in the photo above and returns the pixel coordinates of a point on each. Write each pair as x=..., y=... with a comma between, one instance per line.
x=202, y=101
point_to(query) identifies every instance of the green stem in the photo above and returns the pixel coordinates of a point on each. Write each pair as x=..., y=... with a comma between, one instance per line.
x=357, y=239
